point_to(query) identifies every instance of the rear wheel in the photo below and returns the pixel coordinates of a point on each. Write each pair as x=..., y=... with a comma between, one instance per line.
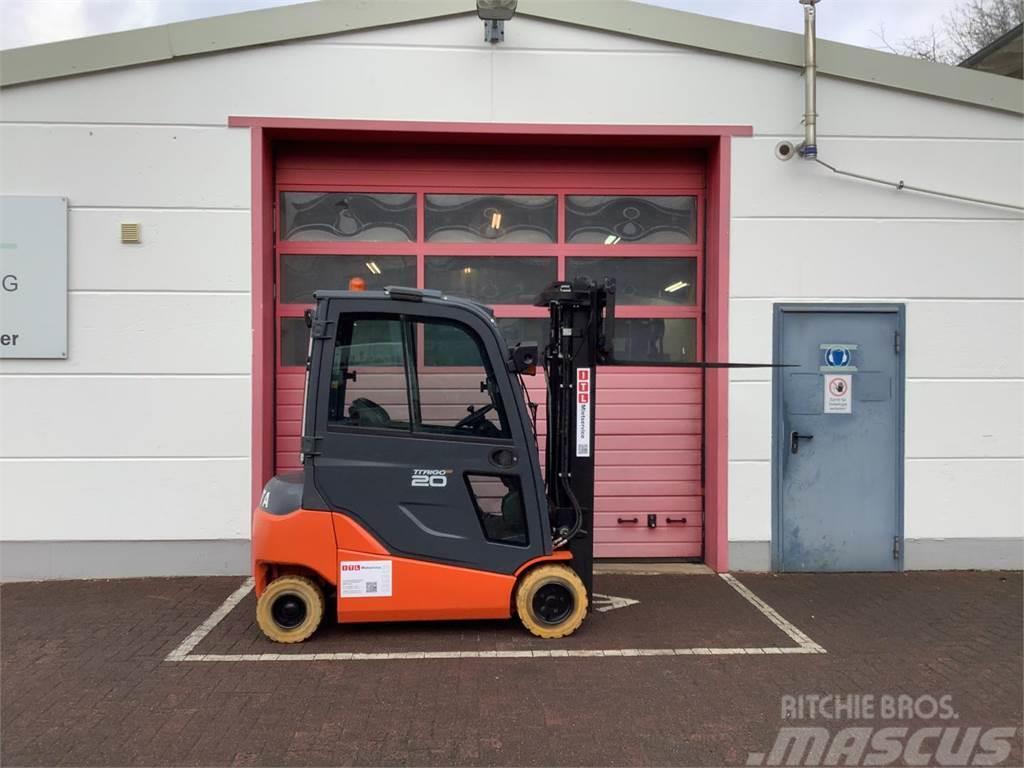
x=290, y=609
x=551, y=601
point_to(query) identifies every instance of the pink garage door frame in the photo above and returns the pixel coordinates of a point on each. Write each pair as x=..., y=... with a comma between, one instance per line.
x=714, y=140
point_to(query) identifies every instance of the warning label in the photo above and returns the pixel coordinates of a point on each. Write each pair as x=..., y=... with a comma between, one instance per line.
x=838, y=391
x=583, y=404
x=365, y=578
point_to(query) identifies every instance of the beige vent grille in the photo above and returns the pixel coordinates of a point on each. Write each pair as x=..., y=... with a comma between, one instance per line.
x=130, y=233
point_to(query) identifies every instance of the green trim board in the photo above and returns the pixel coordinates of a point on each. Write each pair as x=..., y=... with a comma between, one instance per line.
x=218, y=34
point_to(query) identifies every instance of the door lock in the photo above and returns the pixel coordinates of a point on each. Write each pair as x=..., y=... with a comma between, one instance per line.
x=794, y=441
x=652, y=521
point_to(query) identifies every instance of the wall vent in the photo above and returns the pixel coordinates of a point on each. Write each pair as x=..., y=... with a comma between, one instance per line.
x=130, y=233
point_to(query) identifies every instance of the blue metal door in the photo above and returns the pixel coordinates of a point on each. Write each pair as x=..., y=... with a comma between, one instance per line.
x=838, y=449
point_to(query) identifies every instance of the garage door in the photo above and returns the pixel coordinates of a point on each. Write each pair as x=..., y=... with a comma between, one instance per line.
x=497, y=227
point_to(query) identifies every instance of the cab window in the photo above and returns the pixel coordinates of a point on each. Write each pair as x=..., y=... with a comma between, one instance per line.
x=452, y=391
x=456, y=392
x=368, y=380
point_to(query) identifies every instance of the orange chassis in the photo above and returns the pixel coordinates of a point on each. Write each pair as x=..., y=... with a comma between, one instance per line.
x=314, y=543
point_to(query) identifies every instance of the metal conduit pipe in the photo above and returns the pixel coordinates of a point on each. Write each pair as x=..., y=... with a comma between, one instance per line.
x=809, y=149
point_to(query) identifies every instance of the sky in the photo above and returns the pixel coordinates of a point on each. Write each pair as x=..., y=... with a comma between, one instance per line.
x=858, y=22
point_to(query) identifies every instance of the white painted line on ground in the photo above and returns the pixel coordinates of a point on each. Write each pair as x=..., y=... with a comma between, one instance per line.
x=534, y=654
x=189, y=643
x=184, y=651
x=774, y=617
x=605, y=603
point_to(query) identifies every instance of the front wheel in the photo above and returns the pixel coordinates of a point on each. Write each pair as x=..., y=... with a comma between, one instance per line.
x=290, y=609
x=551, y=601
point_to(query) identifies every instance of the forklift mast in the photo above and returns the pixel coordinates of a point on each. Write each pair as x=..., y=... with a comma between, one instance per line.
x=582, y=318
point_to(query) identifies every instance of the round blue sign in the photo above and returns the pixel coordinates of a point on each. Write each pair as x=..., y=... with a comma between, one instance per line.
x=837, y=357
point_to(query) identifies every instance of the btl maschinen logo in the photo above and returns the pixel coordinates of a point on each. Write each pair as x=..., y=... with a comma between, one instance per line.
x=889, y=731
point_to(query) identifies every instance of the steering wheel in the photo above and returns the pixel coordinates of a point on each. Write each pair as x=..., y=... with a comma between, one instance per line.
x=476, y=419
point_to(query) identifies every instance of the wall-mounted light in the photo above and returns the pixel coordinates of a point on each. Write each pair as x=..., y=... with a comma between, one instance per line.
x=675, y=287
x=612, y=240
x=496, y=220
x=494, y=14
x=467, y=270
x=372, y=266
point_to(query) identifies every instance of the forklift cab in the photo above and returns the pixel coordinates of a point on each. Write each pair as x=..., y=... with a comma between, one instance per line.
x=419, y=432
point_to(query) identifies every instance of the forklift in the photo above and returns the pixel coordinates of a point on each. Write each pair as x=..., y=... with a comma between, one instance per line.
x=421, y=494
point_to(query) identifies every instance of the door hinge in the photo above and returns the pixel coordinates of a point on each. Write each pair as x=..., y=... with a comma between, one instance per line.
x=895, y=547
x=896, y=342
x=273, y=219
x=309, y=447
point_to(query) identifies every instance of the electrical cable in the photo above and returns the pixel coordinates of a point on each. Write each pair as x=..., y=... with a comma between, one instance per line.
x=901, y=185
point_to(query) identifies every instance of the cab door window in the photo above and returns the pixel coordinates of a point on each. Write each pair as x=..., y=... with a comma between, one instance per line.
x=369, y=386
x=455, y=392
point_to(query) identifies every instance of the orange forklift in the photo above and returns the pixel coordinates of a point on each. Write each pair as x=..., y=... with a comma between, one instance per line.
x=421, y=494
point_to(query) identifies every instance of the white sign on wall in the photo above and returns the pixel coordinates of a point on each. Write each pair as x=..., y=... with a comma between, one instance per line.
x=838, y=392
x=33, y=277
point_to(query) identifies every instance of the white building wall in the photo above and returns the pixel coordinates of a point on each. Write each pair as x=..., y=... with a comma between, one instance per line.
x=143, y=433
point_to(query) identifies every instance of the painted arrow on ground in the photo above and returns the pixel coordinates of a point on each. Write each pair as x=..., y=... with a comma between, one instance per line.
x=605, y=603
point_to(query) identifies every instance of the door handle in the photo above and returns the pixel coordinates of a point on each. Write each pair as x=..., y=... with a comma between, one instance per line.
x=504, y=458
x=622, y=520
x=794, y=441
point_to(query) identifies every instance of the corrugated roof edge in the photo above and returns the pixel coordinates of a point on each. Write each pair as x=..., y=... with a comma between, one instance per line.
x=20, y=66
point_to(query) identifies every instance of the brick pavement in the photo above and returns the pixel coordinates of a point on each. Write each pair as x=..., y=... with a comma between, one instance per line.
x=84, y=681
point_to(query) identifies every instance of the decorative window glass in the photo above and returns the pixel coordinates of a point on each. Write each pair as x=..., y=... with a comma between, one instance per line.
x=491, y=218
x=491, y=279
x=642, y=280
x=611, y=220
x=301, y=275
x=294, y=341
x=655, y=340
x=352, y=216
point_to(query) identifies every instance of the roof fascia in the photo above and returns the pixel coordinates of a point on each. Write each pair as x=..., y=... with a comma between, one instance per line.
x=649, y=22
x=215, y=34
x=747, y=41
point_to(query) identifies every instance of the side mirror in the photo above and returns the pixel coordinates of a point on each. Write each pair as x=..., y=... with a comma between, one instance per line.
x=522, y=358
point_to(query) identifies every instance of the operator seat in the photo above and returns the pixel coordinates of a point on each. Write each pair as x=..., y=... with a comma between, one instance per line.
x=366, y=413
x=513, y=525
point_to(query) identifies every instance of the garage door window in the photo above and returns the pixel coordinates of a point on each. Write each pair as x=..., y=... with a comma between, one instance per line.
x=492, y=279
x=649, y=219
x=666, y=282
x=491, y=218
x=360, y=216
x=301, y=274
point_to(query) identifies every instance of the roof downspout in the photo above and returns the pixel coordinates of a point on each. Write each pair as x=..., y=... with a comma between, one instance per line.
x=809, y=149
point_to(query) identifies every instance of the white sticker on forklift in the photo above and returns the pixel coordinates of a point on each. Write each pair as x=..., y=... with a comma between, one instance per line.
x=584, y=393
x=365, y=578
